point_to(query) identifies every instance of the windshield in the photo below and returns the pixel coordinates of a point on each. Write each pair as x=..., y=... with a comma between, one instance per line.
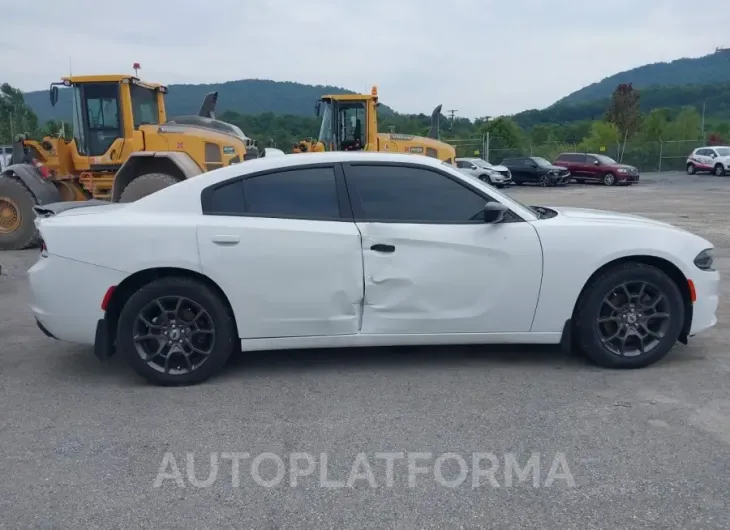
x=723, y=151
x=541, y=161
x=482, y=163
x=605, y=159
x=325, y=130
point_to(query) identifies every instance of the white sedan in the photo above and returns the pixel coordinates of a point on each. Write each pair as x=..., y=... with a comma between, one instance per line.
x=360, y=249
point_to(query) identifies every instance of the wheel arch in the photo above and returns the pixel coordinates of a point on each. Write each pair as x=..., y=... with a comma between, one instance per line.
x=179, y=165
x=664, y=265
x=44, y=191
x=139, y=279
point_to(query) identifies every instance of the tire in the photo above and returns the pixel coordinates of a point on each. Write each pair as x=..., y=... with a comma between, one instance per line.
x=719, y=170
x=487, y=179
x=609, y=179
x=591, y=307
x=544, y=181
x=146, y=185
x=17, y=219
x=691, y=169
x=216, y=316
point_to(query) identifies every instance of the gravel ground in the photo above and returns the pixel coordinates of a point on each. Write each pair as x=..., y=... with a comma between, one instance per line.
x=83, y=442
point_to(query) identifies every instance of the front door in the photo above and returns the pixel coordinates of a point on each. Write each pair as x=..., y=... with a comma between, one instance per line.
x=280, y=248
x=430, y=265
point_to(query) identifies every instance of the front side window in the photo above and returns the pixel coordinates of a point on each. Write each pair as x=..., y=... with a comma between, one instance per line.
x=409, y=194
x=144, y=105
x=309, y=193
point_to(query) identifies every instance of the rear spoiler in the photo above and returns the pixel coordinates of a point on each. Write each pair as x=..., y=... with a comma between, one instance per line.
x=49, y=210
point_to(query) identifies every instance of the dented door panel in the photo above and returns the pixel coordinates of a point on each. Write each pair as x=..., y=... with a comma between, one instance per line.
x=467, y=278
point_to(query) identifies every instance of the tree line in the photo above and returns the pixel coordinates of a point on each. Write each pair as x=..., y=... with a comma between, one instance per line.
x=622, y=121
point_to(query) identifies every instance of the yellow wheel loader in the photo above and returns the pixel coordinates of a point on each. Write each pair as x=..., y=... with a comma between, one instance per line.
x=124, y=147
x=350, y=123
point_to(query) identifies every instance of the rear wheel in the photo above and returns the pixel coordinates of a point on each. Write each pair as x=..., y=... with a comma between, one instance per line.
x=691, y=169
x=630, y=317
x=17, y=226
x=719, y=170
x=176, y=331
x=146, y=185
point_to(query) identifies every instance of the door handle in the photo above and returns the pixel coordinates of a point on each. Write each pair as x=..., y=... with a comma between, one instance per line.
x=379, y=247
x=226, y=240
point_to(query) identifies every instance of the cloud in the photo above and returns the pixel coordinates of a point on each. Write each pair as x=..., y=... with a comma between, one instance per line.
x=482, y=57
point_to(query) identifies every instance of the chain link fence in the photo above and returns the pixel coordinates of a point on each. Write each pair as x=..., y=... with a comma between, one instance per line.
x=668, y=155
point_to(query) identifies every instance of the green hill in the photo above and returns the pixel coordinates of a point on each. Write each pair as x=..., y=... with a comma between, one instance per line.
x=710, y=69
x=715, y=97
x=246, y=96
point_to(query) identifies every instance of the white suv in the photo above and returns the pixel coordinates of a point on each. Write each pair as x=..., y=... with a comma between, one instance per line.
x=497, y=176
x=715, y=159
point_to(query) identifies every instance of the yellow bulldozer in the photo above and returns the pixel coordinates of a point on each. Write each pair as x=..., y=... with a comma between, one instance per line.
x=124, y=147
x=350, y=123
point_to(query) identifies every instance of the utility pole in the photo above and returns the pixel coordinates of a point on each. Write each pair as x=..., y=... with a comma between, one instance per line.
x=452, y=113
x=704, y=106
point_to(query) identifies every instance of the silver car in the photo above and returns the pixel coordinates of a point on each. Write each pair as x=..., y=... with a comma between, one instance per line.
x=498, y=176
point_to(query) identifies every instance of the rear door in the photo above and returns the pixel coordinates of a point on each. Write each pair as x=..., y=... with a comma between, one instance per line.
x=284, y=248
x=592, y=168
x=431, y=265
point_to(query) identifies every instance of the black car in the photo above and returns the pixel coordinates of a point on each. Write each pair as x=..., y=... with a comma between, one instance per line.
x=536, y=170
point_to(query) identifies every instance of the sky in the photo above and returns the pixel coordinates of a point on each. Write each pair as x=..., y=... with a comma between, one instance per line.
x=480, y=57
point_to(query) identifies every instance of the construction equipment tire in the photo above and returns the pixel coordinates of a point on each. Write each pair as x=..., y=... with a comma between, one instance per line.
x=146, y=185
x=17, y=226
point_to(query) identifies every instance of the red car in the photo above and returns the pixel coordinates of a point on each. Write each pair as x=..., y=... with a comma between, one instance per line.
x=590, y=167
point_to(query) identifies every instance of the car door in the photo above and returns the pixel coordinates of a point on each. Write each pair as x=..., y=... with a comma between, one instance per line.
x=430, y=265
x=592, y=168
x=518, y=169
x=285, y=250
x=467, y=167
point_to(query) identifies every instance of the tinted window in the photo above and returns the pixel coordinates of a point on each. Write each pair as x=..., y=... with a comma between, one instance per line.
x=303, y=193
x=407, y=194
x=591, y=160
x=461, y=164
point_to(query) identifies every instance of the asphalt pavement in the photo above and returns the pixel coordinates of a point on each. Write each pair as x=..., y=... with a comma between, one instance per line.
x=476, y=437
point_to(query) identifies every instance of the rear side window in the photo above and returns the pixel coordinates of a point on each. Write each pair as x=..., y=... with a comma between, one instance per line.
x=409, y=194
x=309, y=193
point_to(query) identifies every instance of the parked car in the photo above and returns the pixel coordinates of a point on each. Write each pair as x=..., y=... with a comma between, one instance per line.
x=536, y=170
x=715, y=159
x=590, y=167
x=6, y=153
x=498, y=176
x=340, y=249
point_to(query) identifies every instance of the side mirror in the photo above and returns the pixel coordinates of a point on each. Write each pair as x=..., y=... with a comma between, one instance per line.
x=596, y=163
x=54, y=95
x=317, y=107
x=494, y=212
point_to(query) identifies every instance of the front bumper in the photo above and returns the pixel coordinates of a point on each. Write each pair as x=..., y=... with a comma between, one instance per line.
x=627, y=177
x=704, y=309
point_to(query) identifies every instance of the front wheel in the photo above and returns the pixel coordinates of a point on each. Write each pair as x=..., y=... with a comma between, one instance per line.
x=176, y=331
x=629, y=317
x=544, y=181
x=719, y=170
x=487, y=179
x=609, y=179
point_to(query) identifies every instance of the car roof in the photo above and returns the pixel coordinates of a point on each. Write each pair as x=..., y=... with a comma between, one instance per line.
x=713, y=147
